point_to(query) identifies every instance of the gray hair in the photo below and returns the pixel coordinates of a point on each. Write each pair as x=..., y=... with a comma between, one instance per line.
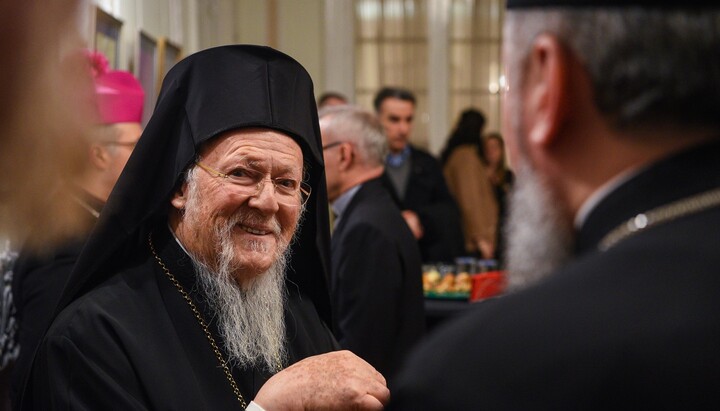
x=359, y=127
x=646, y=66
x=103, y=134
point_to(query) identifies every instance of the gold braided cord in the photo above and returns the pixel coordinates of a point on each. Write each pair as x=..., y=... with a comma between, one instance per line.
x=659, y=215
x=203, y=325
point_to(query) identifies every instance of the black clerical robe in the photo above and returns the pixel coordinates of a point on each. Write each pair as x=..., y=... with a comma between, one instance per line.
x=634, y=327
x=133, y=343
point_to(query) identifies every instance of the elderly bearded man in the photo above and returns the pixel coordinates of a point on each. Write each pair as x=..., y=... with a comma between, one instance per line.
x=611, y=118
x=180, y=300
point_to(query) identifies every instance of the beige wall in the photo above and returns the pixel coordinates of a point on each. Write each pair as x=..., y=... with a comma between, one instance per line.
x=292, y=26
x=300, y=34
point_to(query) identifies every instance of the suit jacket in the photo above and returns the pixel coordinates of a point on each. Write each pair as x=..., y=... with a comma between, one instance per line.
x=376, y=285
x=427, y=194
x=633, y=327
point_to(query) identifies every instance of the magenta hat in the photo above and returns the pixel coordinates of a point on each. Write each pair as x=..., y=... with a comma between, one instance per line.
x=120, y=96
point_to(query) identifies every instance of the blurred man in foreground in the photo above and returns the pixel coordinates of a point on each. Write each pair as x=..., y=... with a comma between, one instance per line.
x=199, y=288
x=46, y=110
x=376, y=285
x=39, y=278
x=611, y=118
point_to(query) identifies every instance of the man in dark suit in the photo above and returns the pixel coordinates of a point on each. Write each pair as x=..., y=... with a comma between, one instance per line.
x=616, y=144
x=415, y=179
x=376, y=285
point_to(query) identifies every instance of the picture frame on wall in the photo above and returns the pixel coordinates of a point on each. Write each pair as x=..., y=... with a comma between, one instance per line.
x=148, y=71
x=169, y=54
x=106, y=39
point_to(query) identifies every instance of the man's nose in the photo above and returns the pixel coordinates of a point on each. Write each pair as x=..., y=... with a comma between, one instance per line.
x=265, y=199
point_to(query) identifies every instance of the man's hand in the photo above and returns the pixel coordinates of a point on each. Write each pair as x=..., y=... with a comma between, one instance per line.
x=337, y=380
x=487, y=248
x=413, y=221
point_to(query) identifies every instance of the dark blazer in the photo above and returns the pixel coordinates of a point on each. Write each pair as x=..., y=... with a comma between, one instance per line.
x=427, y=194
x=633, y=327
x=376, y=285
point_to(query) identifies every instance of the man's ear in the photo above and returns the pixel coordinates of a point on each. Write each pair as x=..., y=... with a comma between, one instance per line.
x=547, y=91
x=98, y=156
x=179, y=198
x=347, y=156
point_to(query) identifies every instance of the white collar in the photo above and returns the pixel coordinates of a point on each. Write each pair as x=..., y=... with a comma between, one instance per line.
x=603, y=191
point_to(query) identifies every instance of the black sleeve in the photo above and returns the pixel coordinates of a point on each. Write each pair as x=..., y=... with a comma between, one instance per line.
x=83, y=376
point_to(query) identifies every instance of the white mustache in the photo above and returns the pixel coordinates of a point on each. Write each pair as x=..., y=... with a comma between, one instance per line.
x=251, y=219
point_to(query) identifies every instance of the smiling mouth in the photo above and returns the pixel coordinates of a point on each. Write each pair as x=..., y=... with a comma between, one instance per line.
x=253, y=230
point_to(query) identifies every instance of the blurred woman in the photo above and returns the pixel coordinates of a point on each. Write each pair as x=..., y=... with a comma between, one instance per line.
x=464, y=166
x=501, y=178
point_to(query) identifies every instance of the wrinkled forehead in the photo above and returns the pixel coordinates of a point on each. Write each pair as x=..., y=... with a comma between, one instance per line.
x=261, y=146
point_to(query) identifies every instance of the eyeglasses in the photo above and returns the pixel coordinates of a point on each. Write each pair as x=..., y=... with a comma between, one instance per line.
x=130, y=144
x=250, y=182
x=331, y=145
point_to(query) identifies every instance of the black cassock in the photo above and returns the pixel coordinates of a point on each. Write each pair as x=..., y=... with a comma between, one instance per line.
x=134, y=343
x=633, y=327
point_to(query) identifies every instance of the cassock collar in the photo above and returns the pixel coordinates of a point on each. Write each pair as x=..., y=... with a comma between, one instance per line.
x=675, y=177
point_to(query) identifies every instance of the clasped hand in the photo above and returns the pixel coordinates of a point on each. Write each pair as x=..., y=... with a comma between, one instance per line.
x=337, y=380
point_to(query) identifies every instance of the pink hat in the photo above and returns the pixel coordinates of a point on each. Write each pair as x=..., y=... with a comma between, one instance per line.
x=120, y=96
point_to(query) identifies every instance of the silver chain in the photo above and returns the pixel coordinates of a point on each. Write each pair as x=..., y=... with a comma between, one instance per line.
x=659, y=215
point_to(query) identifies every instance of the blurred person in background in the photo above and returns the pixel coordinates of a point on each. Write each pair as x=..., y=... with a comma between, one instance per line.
x=375, y=286
x=331, y=98
x=39, y=278
x=501, y=178
x=465, y=169
x=611, y=119
x=415, y=179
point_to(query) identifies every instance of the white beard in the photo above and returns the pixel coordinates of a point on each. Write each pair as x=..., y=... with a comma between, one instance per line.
x=250, y=316
x=539, y=240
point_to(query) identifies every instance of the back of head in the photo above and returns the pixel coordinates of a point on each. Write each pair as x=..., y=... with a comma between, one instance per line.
x=468, y=131
x=655, y=64
x=392, y=92
x=331, y=98
x=359, y=127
